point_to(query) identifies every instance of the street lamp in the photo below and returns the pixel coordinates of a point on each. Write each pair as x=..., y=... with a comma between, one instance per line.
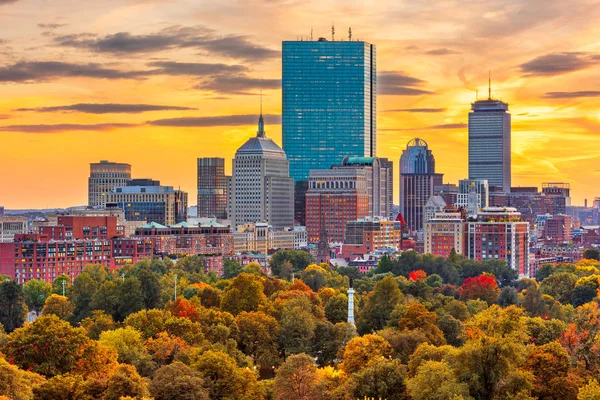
x=175, y=287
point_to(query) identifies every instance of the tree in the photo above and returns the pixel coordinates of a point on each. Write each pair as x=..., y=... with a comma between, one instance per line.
x=62, y=387
x=231, y=269
x=418, y=318
x=560, y=286
x=549, y=364
x=417, y=275
x=329, y=339
x=435, y=380
x=12, y=305
x=125, y=382
x=57, y=285
x=381, y=379
x=177, y=381
x=379, y=305
x=131, y=298
x=59, y=306
x=586, y=289
x=483, y=287
x=150, y=285
x=296, y=379
x=36, y=292
x=336, y=308
x=298, y=259
x=164, y=347
x=297, y=326
x=315, y=277
x=362, y=349
x=245, y=293
x=592, y=254
x=127, y=342
x=591, y=391
x=83, y=291
x=48, y=346
x=17, y=384
x=258, y=337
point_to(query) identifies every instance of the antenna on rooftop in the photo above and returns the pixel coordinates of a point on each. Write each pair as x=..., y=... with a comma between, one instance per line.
x=489, y=85
x=350, y=34
x=311, y=33
x=332, y=32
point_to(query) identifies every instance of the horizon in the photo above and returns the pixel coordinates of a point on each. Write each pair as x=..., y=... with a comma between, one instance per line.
x=158, y=84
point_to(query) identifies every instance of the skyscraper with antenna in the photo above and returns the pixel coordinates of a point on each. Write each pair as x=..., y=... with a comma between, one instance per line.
x=490, y=141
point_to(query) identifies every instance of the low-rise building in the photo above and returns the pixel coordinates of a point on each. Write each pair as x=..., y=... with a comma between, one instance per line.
x=368, y=235
x=11, y=226
x=444, y=232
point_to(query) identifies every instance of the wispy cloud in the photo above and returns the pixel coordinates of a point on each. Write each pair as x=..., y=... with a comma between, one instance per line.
x=58, y=128
x=111, y=108
x=50, y=26
x=224, y=120
x=431, y=127
x=418, y=110
x=2, y=2
x=571, y=95
x=35, y=71
x=442, y=52
x=559, y=63
x=399, y=83
x=237, y=84
x=198, y=37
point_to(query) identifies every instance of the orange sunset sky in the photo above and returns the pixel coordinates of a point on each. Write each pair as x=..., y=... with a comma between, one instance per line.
x=158, y=83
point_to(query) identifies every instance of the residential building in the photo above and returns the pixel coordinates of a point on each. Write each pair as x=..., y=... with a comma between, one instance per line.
x=444, y=232
x=490, y=142
x=478, y=186
x=560, y=193
x=105, y=176
x=434, y=205
x=212, y=188
x=499, y=233
x=329, y=93
x=448, y=192
x=417, y=182
x=558, y=229
x=75, y=227
x=368, y=235
x=262, y=190
x=263, y=239
x=11, y=226
x=161, y=204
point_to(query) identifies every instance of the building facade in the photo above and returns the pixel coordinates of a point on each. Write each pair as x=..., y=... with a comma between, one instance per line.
x=262, y=190
x=444, y=232
x=105, y=176
x=478, y=186
x=212, y=188
x=369, y=235
x=490, y=143
x=11, y=226
x=329, y=93
x=161, y=204
x=74, y=227
x=418, y=180
x=263, y=239
x=499, y=233
x=389, y=164
x=560, y=193
x=558, y=229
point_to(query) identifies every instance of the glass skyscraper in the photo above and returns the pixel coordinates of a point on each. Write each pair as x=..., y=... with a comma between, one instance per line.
x=489, y=143
x=329, y=103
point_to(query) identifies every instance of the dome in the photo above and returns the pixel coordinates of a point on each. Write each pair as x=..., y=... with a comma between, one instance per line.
x=260, y=145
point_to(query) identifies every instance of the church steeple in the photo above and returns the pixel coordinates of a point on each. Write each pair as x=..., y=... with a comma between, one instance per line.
x=261, y=122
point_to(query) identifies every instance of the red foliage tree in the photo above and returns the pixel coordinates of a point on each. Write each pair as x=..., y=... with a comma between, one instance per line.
x=183, y=308
x=418, y=275
x=483, y=287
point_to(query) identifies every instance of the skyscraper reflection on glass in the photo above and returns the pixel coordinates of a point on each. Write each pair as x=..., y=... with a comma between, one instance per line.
x=329, y=103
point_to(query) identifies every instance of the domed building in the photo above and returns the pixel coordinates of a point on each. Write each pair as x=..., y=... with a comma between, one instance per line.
x=261, y=187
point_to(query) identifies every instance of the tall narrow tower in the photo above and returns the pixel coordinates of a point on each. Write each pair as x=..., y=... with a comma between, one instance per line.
x=351, y=303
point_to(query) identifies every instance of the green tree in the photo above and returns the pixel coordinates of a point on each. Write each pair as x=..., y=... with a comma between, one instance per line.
x=127, y=342
x=59, y=306
x=329, y=339
x=177, y=381
x=296, y=379
x=98, y=323
x=245, y=293
x=435, y=380
x=336, y=308
x=297, y=326
x=83, y=291
x=560, y=286
x=57, y=285
x=150, y=285
x=315, y=277
x=379, y=305
x=592, y=254
x=36, y=292
x=508, y=296
x=12, y=305
x=380, y=379
x=586, y=289
x=131, y=298
x=231, y=269
x=298, y=259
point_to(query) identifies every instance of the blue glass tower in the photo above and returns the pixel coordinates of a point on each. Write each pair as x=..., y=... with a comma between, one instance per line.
x=329, y=103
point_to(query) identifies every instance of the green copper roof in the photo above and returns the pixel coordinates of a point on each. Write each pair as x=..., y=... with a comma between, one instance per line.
x=153, y=225
x=359, y=161
x=181, y=224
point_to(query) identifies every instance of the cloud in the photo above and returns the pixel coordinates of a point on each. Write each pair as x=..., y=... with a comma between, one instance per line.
x=2, y=2
x=571, y=95
x=193, y=69
x=442, y=52
x=106, y=108
x=224, y=120
x=237, y=84
x=58, y=128
x=50, y=26
x=418, y=110
x=463, y=78
x=559, y=63
x=431, y=127
x=398, y=83
x=198, y=37
x=35, y=71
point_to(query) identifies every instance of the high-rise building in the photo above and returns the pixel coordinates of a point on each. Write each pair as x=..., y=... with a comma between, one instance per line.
x=489, y=142
x=300, y=188
x=448, y=192
x=160, y=204
x=499, y=233
x=105, y=176
x=558, y=229
x=262, y=190
x=417, y=182
x=212, y=188
x=329, y=103
x=389, y=164
x=560, y=193
x=444, y=232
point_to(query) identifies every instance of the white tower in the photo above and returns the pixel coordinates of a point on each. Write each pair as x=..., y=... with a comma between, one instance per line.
x=351, y=303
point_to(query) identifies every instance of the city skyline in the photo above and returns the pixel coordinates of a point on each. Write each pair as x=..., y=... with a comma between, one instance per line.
x=121, y=81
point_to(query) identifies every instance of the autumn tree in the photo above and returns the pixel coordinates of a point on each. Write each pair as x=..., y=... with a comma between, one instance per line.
x=60, y=288
x=298, y=260
x=418, y=318
x=177, y=381
x=550, y=366
x=560, y=286
x=380, y=379
x=67, y=386
x=258, y=337
x=127, y=342
x=16, y=383
x=12, y=305
x=36, y=292
x=82, y=292
x=125, y=382
x=97, y=323
x=164, y=347
x=435, y=380
x=296, y=379
x=483, y=287
x=314, y=276
x=362, y=349
x=245, y=293
x=59, y=306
